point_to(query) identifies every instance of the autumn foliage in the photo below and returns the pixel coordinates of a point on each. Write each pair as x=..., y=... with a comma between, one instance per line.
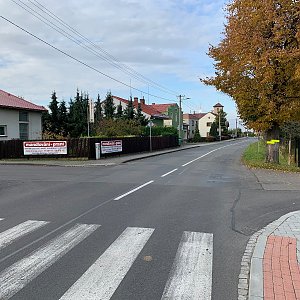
x=257, y=62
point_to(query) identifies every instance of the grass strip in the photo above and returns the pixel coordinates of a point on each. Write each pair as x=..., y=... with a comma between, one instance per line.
x=254, y=156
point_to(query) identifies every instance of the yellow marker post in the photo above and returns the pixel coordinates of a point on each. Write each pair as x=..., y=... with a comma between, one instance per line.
x=270, y=142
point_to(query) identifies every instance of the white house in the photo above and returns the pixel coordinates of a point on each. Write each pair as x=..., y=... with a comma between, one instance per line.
x=202, y=120
x=19, y=119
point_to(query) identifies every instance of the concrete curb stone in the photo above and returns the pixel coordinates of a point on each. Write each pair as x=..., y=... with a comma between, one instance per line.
x=250, y=285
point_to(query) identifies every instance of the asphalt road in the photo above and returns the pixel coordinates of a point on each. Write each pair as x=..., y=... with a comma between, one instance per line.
x=141, y=230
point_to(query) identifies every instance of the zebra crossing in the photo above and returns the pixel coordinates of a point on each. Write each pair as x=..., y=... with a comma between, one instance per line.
x=190, y=276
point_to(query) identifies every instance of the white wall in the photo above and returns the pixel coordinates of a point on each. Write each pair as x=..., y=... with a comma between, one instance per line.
x=203, y=128
x=35, y=125
x=10, y=118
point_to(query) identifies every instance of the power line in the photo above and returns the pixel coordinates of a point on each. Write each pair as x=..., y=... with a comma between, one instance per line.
x=78, y=60
x=107, y=57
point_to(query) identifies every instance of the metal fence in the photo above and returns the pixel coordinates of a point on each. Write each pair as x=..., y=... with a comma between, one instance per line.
x=85, y=147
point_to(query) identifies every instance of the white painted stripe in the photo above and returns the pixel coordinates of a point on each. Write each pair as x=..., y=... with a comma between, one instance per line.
x=15, y=277
x=205, y=155
x=191, y=274
x=169, y=173
x=134, y=190
x=102, y=279
x=9, y=236
x=1, y=219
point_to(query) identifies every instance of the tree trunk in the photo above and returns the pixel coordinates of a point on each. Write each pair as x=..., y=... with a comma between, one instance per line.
x=272, y=153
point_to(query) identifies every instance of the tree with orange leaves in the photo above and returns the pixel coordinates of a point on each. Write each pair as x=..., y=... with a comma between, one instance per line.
x=257, y=63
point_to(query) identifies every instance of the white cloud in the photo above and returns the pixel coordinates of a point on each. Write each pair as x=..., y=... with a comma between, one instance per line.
x=164, y=40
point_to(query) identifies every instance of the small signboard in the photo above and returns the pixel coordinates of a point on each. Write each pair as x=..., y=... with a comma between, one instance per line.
x=111, y=146
x=272, y=142
x=45, y=148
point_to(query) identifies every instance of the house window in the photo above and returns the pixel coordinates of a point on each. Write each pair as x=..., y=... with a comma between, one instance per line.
x=3, y=130
x=23, y=116
x=208, y=124
x=192, y=122
x=24, y=132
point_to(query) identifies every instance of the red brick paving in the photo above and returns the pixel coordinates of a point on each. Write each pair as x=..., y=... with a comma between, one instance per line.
x=281, y=269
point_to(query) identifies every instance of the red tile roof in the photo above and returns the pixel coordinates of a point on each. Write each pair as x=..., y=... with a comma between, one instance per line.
x=148, y=109
x=8, y=100
x=162, y=107
x=194, y=116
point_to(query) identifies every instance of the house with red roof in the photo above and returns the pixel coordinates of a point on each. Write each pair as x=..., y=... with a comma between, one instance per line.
x=19, y=118
x=149, y=111
x=171, y=110
x=201, y=120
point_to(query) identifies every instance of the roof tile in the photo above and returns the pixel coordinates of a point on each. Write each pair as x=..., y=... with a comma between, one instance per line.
x=10, y=101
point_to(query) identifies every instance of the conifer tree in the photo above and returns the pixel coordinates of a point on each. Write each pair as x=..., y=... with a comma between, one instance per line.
x=197, y=136
x=119, y=113
x=109, y=107
x=139, y=117
x=63, y=118
x=129, y=110
x=98, y=110
x=54, y=125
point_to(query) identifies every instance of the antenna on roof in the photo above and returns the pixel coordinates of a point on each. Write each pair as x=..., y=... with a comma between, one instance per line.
x=130, y=89
x=148, y=94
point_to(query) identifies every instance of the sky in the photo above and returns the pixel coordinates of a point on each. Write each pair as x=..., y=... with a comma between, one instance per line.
x=145, y=48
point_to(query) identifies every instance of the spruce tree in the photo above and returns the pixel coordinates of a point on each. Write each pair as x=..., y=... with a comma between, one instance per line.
x=139, y=117
x=119, y=113
x=54, y=125
x=129, y=110
x=63, y=118
x=109, y=107
x=197, y=136
x=98, y=110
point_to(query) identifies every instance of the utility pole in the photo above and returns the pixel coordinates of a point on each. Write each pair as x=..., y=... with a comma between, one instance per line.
x=180, y=117
x=220, y=129
x=236, y=127
x=181, y=97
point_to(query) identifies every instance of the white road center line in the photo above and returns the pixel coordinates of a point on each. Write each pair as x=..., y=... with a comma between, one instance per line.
x=15, y=277
x=102, y=279
x=134, y=190
x=169, y=173
x=191, y=274
x=205, y=155
x=9, y=236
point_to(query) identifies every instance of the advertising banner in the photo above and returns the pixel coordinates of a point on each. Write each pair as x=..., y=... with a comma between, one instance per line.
x=111, y=146
x=45, y=148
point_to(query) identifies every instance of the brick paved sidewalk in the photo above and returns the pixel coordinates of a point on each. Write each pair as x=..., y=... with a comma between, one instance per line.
x=274, y=265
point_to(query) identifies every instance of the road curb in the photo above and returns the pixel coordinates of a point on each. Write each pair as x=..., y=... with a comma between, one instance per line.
x=250, y=286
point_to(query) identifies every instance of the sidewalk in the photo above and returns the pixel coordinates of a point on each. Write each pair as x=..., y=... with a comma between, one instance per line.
x=272, y=261
x=115, y=160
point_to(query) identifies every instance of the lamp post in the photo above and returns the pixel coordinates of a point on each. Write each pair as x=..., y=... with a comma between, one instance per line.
x=181, y=97
x=150, y=124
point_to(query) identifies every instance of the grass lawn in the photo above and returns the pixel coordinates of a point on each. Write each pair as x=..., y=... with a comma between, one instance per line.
x=254, y=157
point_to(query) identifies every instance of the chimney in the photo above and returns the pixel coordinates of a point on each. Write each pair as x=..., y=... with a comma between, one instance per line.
x=142, y=101
x=135, y=101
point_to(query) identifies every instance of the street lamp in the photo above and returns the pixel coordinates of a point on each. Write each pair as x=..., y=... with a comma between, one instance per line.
x=181, y=97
